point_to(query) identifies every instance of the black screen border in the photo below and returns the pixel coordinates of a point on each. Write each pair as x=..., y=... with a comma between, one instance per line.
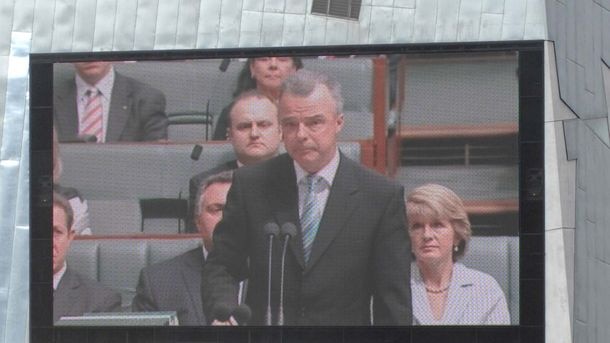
x=531, y=214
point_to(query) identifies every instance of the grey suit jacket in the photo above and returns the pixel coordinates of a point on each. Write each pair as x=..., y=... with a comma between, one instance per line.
x=137, y=111
x=361, y=249
x=76, y=295
x=173, y=285
x=474, y=298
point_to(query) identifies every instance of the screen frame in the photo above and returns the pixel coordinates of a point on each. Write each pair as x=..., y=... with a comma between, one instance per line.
x=531, y=204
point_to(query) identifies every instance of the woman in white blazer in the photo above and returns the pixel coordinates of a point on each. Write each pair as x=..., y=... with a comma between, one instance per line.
x=444, y=291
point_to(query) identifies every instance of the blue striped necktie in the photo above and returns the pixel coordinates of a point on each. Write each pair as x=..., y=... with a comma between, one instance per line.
x=310, y=218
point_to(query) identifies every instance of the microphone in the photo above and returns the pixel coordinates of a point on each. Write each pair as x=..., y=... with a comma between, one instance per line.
x=224, y=64
x=242, y=314
x=196, y=152
x=222, y=312
x=288, y=230
x=271, y=230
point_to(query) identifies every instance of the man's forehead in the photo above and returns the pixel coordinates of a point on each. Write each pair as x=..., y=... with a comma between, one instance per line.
x=253, y=108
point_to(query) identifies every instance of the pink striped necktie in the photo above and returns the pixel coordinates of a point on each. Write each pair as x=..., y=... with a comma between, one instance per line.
x=91, y=122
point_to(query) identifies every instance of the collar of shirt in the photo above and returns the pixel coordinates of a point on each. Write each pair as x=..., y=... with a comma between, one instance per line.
x=104, y=85
x=328, y=172
x=57, y=276
x=205, y=253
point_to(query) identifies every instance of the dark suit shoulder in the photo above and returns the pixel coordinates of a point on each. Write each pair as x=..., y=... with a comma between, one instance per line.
x=99, y=297
x=193, y=257
x=199, y=178
x=136, y=86
x=370, y=178
x=92, y=285
x=266, y=169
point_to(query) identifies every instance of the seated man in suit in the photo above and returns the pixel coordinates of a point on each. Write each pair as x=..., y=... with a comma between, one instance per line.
x=100, y=105
x=255, y=134
x=175, y=284
x=74, y=294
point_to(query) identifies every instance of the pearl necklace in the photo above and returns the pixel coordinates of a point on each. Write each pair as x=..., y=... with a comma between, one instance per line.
x=437, y=291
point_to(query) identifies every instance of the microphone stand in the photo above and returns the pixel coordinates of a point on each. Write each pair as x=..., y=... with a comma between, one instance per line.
x=288, y=230
x=271, y=230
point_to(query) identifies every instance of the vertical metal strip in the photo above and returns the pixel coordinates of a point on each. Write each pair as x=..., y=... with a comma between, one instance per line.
x=14, y=196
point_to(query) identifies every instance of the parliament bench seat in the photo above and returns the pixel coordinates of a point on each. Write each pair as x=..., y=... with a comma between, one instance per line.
x=116, y=261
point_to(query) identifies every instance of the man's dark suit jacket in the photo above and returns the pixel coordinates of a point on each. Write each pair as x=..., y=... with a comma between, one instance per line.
x=173, y=285
x=137, y=111
x=361, y=249
x=76, y=295
x=194, y=185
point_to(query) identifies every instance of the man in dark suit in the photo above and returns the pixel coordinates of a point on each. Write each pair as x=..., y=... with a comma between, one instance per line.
x=351, y=246
x=254, y=132
x=106, y=105
x=175, y=284
x=74, y=294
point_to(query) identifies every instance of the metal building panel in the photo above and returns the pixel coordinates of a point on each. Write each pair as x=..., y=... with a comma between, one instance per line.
x=167, y=24
x=230, y=19
x=605, y=29
x=103, y=37
x=17, y=319
x=294, y=24
x=535, y=20
x=3, y=79
x=337, y=31
x=23, y=16
x=250, y=34
x=381, y=27
x=296, y=6
x=253, y=5
x=273, y=26
x=209, y=21
x=570, y=30
x=387, y=3
x=491, y=26
x=404, y=3
x=42, y=30
x=62, y=34
x=315, y=30
x=469, y=22
x=145, y=24
x=513, y=23
x=600, y=127
x=6, y=24
x=447, y=21
x=364, y=24
x=584, y=37
x=124, y=26
x=425, y=21
x=84, y=26
x=274, y=5
x=402, y=24
x=493, y=6
x=14, y=147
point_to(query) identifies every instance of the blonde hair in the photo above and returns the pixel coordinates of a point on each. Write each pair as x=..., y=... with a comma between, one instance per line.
x=434, y=202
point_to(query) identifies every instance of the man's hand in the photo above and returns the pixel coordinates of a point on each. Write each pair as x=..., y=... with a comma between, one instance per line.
x=230, y=322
